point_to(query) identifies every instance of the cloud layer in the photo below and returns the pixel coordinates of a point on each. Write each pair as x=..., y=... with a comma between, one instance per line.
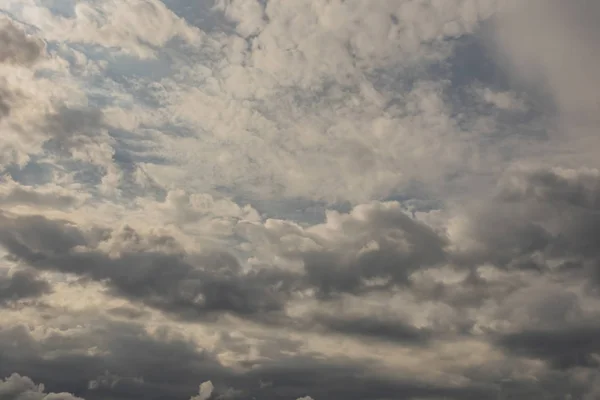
x=243, y=199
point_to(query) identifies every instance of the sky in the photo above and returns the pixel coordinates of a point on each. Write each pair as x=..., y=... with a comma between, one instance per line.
x=299, y=199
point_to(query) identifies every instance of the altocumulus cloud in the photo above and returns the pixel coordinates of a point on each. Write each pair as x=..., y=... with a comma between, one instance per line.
x=244, y=199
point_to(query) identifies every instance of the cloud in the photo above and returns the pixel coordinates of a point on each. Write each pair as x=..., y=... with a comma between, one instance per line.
x=563, y=348
x=312, y=43
x=150, y=269
x=5, y=102
x=20, y=285
x=154, y=270
x=17, y=47
x=204, y=392
x=17, y=387
x=298, y=200
x=558, y=187
x=373, y=327
x=49, y=196
x=372, y=247
x=135, y=28
x=66, y=123
x=64, y=359
x=72, y=359
x=537, y=216
x=549, y=47
x=502, y=100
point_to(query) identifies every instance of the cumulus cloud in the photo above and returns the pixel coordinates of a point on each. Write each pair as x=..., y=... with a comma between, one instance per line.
x=204, y=392
x=17, y=387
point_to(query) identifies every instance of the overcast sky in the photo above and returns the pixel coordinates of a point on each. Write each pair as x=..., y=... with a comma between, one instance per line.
x=299, y=199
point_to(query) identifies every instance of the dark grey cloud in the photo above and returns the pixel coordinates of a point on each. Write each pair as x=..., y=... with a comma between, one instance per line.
x=22, y=284
x=403, y=246
x=130, y=364
x=345, y=379
x=6, y=98
x=375, y=327
x=70, y=128
x=563, y=207
x=544, y=223
x=66, y=122
x=31, y=238
x=16, y=47
x=63, y=361
x=575, y=189
x=564, y=347
x=187, y=286
x=469, y=292
x=549, y=213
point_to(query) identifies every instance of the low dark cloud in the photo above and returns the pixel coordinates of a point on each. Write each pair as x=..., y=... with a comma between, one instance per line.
x=345, y=379
x=16, y=47
x=63, y=362
x=151, y=270
x=563, y=348
x=536, y=216
x=377, y=328
x=549, y=187
x=130, y=364
x=542, y=225
x=401, y=246
x=32, y=238
x=22, y=284
x=551, y=213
